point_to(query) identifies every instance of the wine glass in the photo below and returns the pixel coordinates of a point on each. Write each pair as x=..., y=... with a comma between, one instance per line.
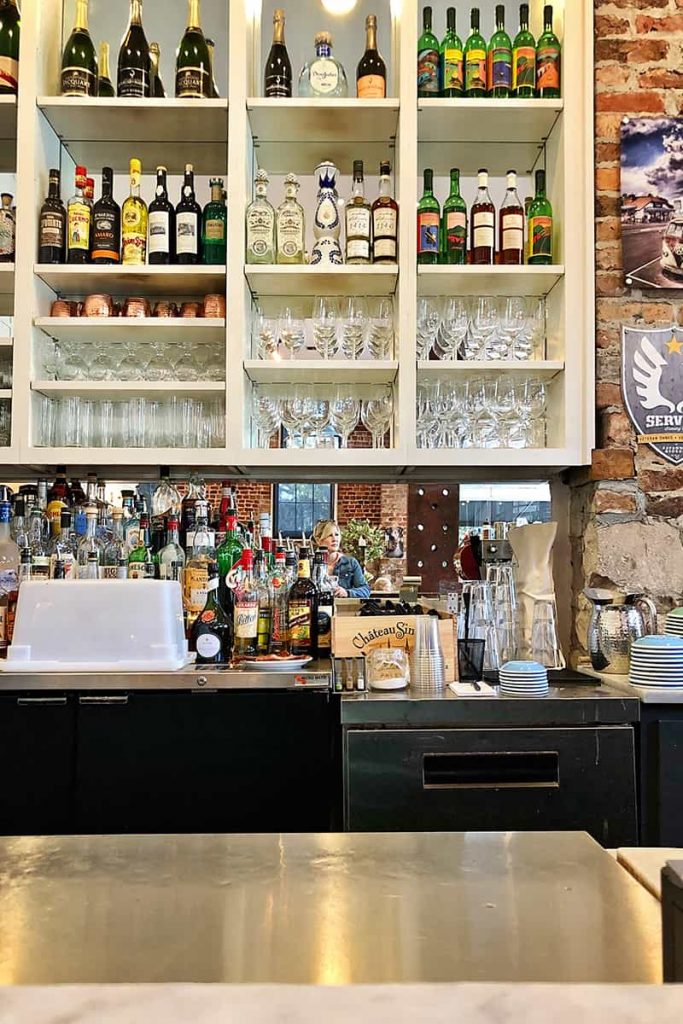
x=317, y=416
x=454, y=327
x=293, y=417
x=428, y=320
x=381, y=328
x=354, y=323
x=264, y=336
x=344, y=414
x=292, y=332
x=266, y=416
x=325, y=316
x=376, y=415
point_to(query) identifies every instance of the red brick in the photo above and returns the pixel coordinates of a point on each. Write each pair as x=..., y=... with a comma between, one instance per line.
x=607, y=229
x=608, y=395
x=661, y=78
x=612, y=464
x=666, y=508
x=630, y=4
x=614, y=501
x=668, y=25
x=664, y=479
x=607, y=283
x=608, y=179
x=608, y=128
x=607, y=152
x=608, y=25
x=631, y=102
x=613, y=74
x=607, y=205
x=617, y=430
x=608, y=257
x=635, y=51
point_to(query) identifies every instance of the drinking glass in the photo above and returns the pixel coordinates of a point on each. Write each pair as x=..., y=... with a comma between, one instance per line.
x=46, y=430
x=134, y=423
x=376, y=415
x=266, y=414
x=189, y=422
x=325, y=317
x=293, y=417
x=129, y=367
x=292, y=332
x=264, y=336
x=483, y=328
x=545, y=647
x=454, y=328
x=381, y=328
x=100, y=367
x=158, y=367
x=317, y=416
x=152, y=423
x=428, y=321
x=186, y=367
x=104, y=424
x=354, y=324
x=344, y=415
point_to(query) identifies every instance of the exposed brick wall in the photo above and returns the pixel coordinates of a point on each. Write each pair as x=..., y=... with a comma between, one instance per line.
x=359, y=501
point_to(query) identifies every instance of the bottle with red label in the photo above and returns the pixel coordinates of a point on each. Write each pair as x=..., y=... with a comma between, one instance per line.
x=10, y=27
x=483, y=223
x=246, y=600
x=511, y=225
x=540, y=225
x=476, y=79
x=454, y=224
x=428, y=223
x=524, y=59
x=371, y=74
x=78, y=218
x=548, y=59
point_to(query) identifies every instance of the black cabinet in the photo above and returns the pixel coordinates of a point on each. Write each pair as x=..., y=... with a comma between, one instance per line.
x=221, y=761
x=37, y=745
x=661, y=775
x=493, y=779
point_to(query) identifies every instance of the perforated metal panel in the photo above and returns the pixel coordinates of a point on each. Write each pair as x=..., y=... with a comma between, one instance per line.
x=432, y=532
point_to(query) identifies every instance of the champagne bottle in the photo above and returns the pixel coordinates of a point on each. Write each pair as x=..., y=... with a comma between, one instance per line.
x=193, y=62
x=79, y=60
x=156, y=86
x=105, y=86
x=277, y=77
x=215, y=95
x=134, y=64
x=10, y=25
x=371, y=75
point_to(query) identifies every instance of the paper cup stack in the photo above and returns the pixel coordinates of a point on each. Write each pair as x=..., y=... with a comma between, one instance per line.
x=674, y=623
x=657, y=662
x=523, y=679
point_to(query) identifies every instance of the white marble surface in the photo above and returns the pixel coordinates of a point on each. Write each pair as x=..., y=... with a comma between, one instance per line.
x=648, y=695
x=388, y=1004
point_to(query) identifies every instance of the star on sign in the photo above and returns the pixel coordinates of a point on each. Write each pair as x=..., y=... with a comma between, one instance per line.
x=675, y=346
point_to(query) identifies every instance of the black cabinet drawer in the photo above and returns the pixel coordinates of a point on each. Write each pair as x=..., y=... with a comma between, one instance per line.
x=492, y=780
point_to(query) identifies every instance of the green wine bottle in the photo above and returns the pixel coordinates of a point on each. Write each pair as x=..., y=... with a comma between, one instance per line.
x=10, y=25
x=548, y=59
x=79, y=60
x=475, y=59
x=428, y=84
x=499, y=64
x=524, y=59
x=454, y=224
x=428, y=223
x=451, y=59
x=540, y=225
x=193, y=62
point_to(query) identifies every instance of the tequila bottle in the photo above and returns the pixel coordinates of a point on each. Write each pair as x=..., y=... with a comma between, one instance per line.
x=324, y=76
x=260, y=224
x=358, y=217
x=290, y=225
x=326, y=224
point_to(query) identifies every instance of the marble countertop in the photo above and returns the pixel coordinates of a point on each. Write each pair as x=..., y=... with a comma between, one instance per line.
x=648, y=695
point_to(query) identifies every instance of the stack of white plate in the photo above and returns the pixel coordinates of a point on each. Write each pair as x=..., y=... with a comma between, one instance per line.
x=674, y=623
x=523, y=679
x=657, y=661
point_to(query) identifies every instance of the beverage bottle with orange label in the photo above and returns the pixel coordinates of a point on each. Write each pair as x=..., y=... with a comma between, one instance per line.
x=475, y=60
x=540, y=225
x=524, y=59
x=548, y=59
x=211, y=635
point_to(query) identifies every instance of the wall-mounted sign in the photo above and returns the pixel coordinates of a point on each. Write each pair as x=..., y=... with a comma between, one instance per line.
x=652, y=201
x=652, y=386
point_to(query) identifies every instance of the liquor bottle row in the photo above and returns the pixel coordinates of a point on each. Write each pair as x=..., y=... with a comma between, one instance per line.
x=102, y=232
x=525, y=232
x=10, y=31
x=138, y=61
x=279, y=236
x=8, y=227
x=324, y=76
x=523, y=68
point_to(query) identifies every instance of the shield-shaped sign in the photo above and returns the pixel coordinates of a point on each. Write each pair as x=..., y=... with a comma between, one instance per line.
x=652, y=386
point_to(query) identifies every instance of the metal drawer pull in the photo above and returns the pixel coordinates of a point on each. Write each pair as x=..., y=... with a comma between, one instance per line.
x=511, y=769
x=100, y=699
x=42, y=701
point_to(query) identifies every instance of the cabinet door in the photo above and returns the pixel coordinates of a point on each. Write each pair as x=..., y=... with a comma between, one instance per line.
x=670, y=783
x=37, y=742
x=493, y=780
x=204, y=762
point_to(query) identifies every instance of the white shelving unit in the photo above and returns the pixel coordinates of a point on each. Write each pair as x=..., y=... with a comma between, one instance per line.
x=232, y=137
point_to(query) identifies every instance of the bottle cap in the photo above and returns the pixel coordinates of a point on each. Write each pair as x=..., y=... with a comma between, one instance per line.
x=135, y=166
x=81, y=172
x=248, y=558
x=323, y=39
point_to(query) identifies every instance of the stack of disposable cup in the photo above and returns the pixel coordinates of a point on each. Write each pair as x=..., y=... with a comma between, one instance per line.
x=427, y=669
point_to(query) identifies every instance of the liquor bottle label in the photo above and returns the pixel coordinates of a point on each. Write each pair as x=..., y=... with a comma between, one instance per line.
x=456, y=229
x=208, y=645
x=170, y=570
x=192, y=83
x=277, y=88
x=6, y=236
x=475, y=71
x=196, y=588
x=52, y=230
x=187, y=240
x=263, y=629
x=541, y=236
x=300, y=624
x=40, y=567
x=133, y=248
x=246, y=622
x=78, y=82
x=453, y=69
x=159, y=231
x=9, y=74
x=290, y=234
x=524, y=68
x=215, y=230
x=133, y=83
x=69, y=564
x=371, y=87
x=548, y=68
x=358, y=232
x=428, y=72
x=500, y=68
x=79, y=226
x=105, y=244
x=141, y=571
x=110, y=572
x=512, y=231
x=260, y=227
x=358, y=249
x=385, y=223
x=279, y=628
x=483, y=229
x=324, y=77
x=428, y=231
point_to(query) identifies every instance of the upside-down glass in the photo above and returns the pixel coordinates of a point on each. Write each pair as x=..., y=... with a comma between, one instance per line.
x=266, y=413
x=292, y=332
x=325, y=321
x=344, y=415
x=381, y=328
x=376, y=414
x=354, y=322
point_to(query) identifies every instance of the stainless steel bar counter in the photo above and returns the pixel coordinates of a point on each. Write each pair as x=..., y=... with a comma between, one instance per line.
x=328, y=909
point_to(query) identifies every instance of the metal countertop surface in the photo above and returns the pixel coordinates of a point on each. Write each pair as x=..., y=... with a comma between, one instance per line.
x=327, y=909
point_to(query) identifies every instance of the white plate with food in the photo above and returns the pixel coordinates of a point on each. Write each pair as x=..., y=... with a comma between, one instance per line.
x=274, y=663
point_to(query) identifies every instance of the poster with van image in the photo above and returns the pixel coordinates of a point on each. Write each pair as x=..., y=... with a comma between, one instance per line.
x=652, y=201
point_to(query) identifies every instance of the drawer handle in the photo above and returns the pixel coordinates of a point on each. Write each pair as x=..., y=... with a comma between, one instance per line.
x=510, y=769
x=42, y=701
x=100, y=699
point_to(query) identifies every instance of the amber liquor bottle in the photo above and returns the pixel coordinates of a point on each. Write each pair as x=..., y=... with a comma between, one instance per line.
x=483, y=223
x=511, y=225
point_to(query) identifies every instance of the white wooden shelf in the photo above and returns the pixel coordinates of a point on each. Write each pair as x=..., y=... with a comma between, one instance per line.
x=167, y=282
x=124, y=328
x=321, y=371
x=314, y=280
x=99, y=132
x=117, y=460
x=487, y=280
x=296, y=134
x=496, y=134
x=120, y=389
x=8, y=133
x=552, y=459
x=545, y=368
x=6, y=342
x=5, y=393
x=6, y=289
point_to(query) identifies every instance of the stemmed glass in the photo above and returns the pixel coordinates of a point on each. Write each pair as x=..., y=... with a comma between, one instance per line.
x=354, y=323
x=292, y=332
x=428, y=321
x=325, y=316
x=293, y=416
x=266, y=413
x=264, y=336
x=376, y=415
x=381, y=328
x=483, y=328
x=317, y=417
x=344, y=414
x=454, y=327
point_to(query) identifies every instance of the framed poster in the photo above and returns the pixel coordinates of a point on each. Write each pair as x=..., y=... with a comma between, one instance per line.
x=652, y=386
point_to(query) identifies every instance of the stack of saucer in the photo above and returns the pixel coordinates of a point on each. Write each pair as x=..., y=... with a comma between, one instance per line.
x=523, y=679
x=674, y=623
x=657, y=661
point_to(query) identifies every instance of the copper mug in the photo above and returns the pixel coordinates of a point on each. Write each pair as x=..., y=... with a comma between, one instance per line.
x=191, y=309
x=164, y=308
x=214, y=306
x=136, y=306
x=97, y=305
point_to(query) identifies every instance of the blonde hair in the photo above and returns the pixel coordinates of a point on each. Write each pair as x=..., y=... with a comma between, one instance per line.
x=322, y=528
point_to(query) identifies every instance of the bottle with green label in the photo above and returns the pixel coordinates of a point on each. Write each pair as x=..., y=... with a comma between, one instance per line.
x=540, y=225
x=428, y=222
x=548, y=59
x=454, y=224
x=428, y=84
x=451, y=59
x=475, y=60
x=524, y=59
x=499, y=63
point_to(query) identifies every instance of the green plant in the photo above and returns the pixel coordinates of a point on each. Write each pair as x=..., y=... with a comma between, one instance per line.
x=363, y=541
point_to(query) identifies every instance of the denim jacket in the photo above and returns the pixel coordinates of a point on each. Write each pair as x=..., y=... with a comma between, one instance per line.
x=351, y=577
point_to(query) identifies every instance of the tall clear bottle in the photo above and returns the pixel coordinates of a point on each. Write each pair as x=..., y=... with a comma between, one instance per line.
x=279, y=602
x=79, y=60
x=324, y=75
x=193, y=61
x=358, y=217
x=246, y=610
x=134, y=78
x=277, y=76
x=115, y=556
x=89, y=549
x=134, y=221
x=171, y=558
x=290, y=225
x=260, y=224
x=161, y=219
x=188, y=219
x=196, y=576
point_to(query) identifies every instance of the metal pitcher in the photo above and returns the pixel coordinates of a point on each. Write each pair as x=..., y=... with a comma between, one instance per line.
x=617, y=620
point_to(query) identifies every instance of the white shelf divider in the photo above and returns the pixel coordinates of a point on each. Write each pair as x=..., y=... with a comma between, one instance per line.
x=122, y=328
x=545, y=368
x=321, y=371
x=169, y=282
x=487, y=280
x=120, y=389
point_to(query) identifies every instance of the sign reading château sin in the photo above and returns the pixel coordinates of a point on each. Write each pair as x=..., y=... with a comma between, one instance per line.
x=652, y=386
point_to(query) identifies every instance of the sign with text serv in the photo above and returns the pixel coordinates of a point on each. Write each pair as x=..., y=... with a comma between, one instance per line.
x=652, y=386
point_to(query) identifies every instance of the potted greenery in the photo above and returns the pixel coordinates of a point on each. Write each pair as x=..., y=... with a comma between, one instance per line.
x=363, y=541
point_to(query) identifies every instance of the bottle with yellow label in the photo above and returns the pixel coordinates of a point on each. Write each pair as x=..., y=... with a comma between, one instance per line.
x=303, y=610
x=134, y=222
x=78, y=219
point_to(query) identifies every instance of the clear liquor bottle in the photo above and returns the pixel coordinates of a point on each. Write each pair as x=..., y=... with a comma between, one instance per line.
x=171, y=558
x=10, y=29
x=385, y=220
x=324, y=76
x=215, y=226
x=78, y=217
x=524, y=58
x=277, y=76
x=105, y=86
x=196, y=575
x=106, y=223
x=279, y=599
x=358, y=220
x=511, y=225
x=454, y=224
x=161, y=221
x=134, y=77
x=134, y=221
x=52, y=224
x=89, y=548
x=193, y=61
x=116, y=550
x=40, y=555
x=156, y=86
x=246, y=610
x=428, y=222
x=260, y=224
x=265, y=608
x=290, y=225
x=483, y=223
x=79, y=60
x=188, y=220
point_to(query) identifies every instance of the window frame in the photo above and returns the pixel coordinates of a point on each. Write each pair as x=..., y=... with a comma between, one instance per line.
x=294, y=534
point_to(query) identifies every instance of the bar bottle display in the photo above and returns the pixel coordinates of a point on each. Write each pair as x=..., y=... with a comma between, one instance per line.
x=475, y=60
x=188, y=219
x=428, y=223
x=499, y=59
x=161, y=219
x=277, y=76
x=371, y=74
x=133, y=80
x=193, y=62
x=215, y=225
x=452, y=59
x=454, y=224
x=548, y=59
x=428, y=84
x=196, y=575
x=78, y=222
x=246, y=609
x=385, y=220
x=324, y=75
x=279, y=600
x=540, y=225
x=511, y=225
x=358, y=215
x=10, y=28
x=105, y=86
x=106, y=223
x=483, y=223
x=134, y=221
x=524, y=59
x=171, y=559
x=79, y=60
x=52, y=224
